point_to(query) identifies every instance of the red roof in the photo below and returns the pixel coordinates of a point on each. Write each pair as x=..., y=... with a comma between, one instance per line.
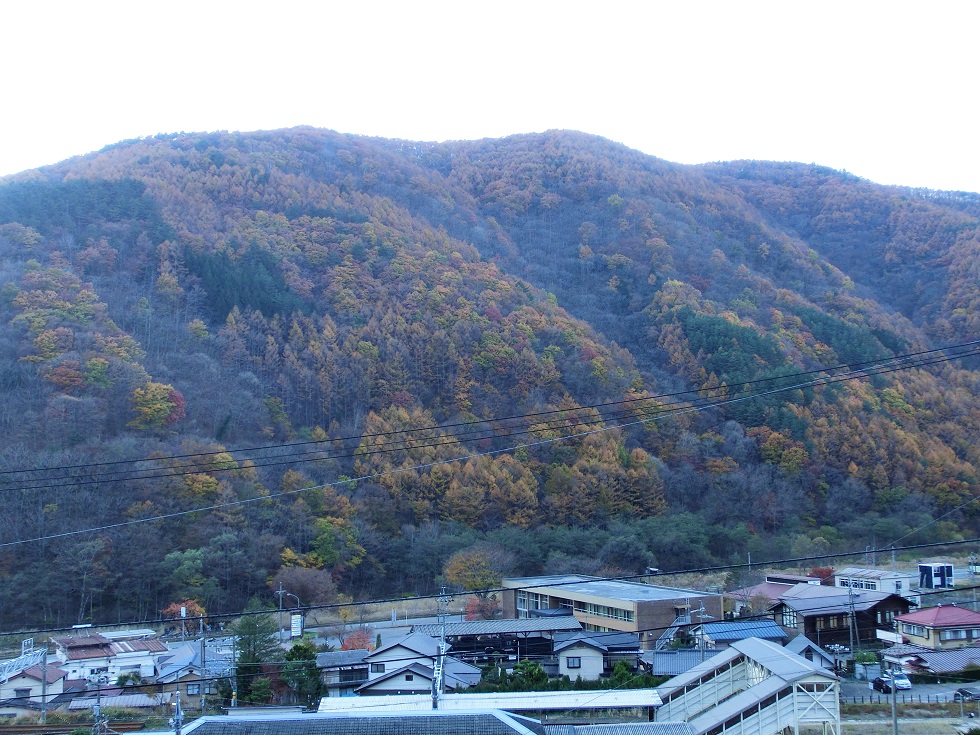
x=52, y=673
x=941, y=616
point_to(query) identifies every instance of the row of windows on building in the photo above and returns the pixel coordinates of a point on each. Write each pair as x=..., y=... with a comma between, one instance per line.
x=527, y=601
x=860, y=584
x=950, y=634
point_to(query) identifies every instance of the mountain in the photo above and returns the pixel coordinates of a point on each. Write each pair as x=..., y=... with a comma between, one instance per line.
x=335, y=343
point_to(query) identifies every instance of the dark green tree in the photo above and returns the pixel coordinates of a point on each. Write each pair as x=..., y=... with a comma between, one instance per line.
x=255, y=645
x=301, y=674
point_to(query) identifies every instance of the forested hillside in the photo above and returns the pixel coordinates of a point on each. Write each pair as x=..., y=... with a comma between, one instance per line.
x=230, y=360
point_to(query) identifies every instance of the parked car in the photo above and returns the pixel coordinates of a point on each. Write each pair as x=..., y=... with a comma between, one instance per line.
x=901, y=680
x=881, y=684
x=967, y=694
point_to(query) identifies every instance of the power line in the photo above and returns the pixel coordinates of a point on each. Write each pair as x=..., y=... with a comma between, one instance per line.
x=494, y=428
x=677, y=411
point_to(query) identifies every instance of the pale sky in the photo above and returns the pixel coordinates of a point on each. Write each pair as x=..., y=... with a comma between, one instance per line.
x=889, y=91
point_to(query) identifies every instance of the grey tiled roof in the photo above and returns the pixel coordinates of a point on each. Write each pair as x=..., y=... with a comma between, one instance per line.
x=335, y=659
x=737, y=630
x=953, y=659
x=501, y=627
x=394, y=723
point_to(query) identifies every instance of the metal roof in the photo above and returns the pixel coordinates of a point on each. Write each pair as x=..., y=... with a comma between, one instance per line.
x=510, y=701
x=737, y=630
x=780, y=663
x=392, y=722
x=610, y=588
x=873, y=573
x=501, y=627
x=953, y=659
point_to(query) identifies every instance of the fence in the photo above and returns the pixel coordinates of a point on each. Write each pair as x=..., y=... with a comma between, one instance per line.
x=903, y=698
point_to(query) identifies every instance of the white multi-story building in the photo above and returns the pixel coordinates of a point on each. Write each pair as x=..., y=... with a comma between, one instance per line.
x=878, y=580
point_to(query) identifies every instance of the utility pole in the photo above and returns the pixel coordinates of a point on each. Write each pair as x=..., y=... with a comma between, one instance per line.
x=280, y=593
x=204, y=649
x=44, y=685
x=894, y=703
x=177, y=721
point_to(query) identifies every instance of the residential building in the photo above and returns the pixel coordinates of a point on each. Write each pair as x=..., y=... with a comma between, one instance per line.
x=342, y=672
x=109, y=654
x=590, y=656
x=603, y=605
x=803, y=646
x=942, y=626
x=27, y=683
x=406, y=666
x=878, y=580
x=183, y=669
x=832, y=615
x=719, y=635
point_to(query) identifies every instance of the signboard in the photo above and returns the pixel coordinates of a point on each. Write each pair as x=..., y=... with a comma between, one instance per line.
x=887, y=635
x=296, y=625
x=935, y=576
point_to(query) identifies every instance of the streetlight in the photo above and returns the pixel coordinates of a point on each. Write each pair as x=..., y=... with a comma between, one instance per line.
x=99, y=723
x=282, y=592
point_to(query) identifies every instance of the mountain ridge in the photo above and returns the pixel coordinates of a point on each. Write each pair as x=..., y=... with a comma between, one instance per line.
x=207, y=292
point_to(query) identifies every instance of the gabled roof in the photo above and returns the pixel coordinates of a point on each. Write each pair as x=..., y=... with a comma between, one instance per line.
x=577, y=642
x=52, y=673
x=613, y=641
x=818, y=599
x=736, y=630
x=424, y=645
x=947, y=661
x=941, y=616
x=801, y=643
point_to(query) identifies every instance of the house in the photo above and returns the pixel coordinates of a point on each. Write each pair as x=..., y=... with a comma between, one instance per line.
x=589, y=656
x=182, y=669
x=406, y=666
x=603, y=605
x=759, y=597
x=831, y=615
x=803, y=646
x=482, y=641
x=878, y=580
x=342, y=672
x=942, y=626
x=721, y=634
x=27, y=683
x=110, y=655
x=947, y=661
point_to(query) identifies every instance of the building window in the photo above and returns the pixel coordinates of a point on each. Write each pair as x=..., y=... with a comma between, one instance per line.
x=409, y=677
x=916, y=630
x=952, y=635
x=193, y=690
x=573, y=662
x=886, y=617
x=377, y=668
x=22, y=693
x=898, y=586
x=789, y=618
